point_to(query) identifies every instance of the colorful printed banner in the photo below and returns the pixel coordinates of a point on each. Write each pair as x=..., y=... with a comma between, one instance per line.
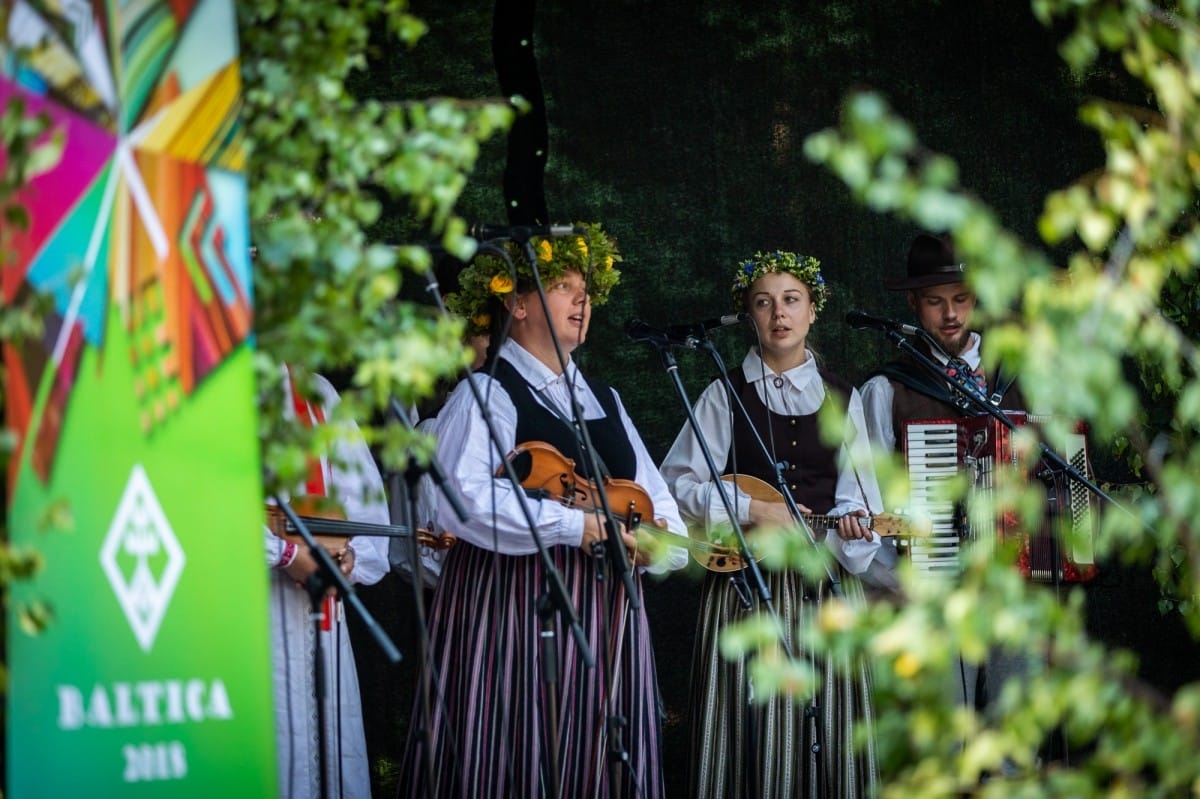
x=136, y=413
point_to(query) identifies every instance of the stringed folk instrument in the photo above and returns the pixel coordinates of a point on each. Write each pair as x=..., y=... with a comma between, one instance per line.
x=545, y=473
x=327, y=522
x=723, y=558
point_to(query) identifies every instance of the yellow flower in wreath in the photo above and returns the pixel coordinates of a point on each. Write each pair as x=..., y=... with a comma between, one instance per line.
x=490, y=277
x=501, y=285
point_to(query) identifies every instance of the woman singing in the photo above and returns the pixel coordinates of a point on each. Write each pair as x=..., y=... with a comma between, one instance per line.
x=496, y=726
x=781, y=748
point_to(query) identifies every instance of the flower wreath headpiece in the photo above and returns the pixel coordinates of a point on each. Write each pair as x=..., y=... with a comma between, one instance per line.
x=806, y=268
x=489, y=278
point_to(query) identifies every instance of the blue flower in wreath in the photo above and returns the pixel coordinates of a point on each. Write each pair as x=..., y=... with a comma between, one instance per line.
x=804, y=267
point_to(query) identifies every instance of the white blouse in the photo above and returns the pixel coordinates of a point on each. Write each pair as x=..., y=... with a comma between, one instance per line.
x=798, y=391
x=465, y=449
x=878, y=394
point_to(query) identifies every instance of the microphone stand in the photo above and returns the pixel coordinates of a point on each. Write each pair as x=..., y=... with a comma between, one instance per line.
x=555, y=597
x=705, y=344
x=612, y=543
x=749, y=563
x=326, y=576
x=616, y=550
x=433, y=468
x=405, y=514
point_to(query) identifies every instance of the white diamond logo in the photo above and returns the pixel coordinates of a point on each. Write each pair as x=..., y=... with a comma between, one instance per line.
x=142, y=558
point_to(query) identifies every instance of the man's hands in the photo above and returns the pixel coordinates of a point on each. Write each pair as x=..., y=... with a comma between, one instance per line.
x=850, y=526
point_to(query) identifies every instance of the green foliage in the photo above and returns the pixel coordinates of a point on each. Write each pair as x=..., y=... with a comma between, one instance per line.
x=28, y=152
x=1107, y=336
x=323, y=163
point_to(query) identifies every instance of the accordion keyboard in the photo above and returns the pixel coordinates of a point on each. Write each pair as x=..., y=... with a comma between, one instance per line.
x=981, y=448
x=933, y=453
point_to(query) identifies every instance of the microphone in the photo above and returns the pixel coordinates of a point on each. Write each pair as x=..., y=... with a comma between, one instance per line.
x=860, y=320
x=638, y=330
x=681, y=335
x=522, y=232
x=713, y=323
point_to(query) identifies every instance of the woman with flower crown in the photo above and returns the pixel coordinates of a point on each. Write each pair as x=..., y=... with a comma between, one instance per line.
x=496, y=727
x=779, y=748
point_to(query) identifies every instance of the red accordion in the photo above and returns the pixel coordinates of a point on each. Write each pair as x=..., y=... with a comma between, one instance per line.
x=981, y=448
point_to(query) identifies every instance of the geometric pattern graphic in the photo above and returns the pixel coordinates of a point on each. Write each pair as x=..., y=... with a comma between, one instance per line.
x=138, y=478
x=144, y=216
x=141, y=558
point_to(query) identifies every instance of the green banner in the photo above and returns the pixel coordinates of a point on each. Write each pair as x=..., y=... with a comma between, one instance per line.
x=136, y=474
x=155, y=666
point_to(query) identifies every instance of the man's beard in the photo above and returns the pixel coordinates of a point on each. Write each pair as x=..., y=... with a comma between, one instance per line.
x=954, y=346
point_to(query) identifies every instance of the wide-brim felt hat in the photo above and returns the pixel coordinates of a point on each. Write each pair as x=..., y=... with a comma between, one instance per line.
x=931, y=262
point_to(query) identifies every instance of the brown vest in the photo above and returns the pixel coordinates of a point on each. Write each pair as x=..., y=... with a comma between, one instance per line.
x=811, y=469
x=917, y=396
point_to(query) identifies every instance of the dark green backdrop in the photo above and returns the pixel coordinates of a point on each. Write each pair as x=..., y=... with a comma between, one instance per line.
x=680, y=126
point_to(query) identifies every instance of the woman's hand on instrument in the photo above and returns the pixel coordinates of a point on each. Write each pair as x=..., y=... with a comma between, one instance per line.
x=772, y=514
x=305, y=564
x=852, y=526
x=302, y=567
x=593, y=532
x=650, y=548
x=344, y=558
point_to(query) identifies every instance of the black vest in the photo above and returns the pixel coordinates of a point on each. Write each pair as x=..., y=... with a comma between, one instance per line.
x=535, y=422
x=812, y=470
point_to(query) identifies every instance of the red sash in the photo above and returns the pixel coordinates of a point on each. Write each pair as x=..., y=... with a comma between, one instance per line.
x=310, y=415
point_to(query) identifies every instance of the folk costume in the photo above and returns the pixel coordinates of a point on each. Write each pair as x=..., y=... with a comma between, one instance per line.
x=351, y=477
x=768, y=748
x=488, y=735
x=904, y=391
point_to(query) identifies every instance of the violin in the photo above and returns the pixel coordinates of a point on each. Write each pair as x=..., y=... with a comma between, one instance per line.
x=545, y=473
x=327, y=522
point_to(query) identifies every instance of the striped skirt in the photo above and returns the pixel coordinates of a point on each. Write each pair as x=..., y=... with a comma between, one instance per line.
x=777, y=748
x=491, y=729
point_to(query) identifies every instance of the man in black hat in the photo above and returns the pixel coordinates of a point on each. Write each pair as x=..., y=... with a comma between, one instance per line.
x=943, y=304
x=905, y=390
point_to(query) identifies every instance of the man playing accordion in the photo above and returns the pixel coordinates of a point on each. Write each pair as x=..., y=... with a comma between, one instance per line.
x=913, y=411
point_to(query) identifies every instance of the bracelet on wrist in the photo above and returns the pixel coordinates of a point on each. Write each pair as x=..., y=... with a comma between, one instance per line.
x=288, y=556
